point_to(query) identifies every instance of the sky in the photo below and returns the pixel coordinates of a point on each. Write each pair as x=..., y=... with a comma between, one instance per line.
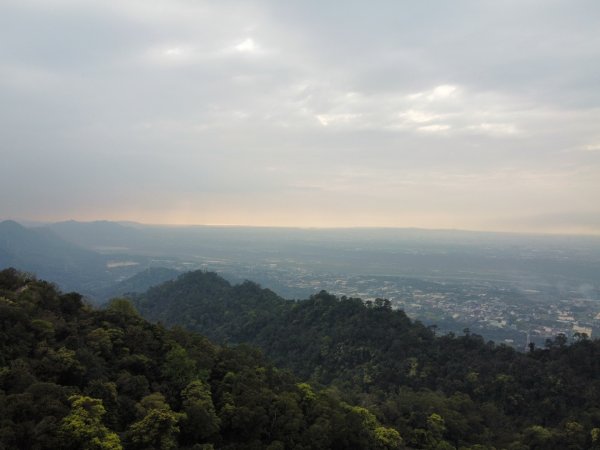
x=481, y=114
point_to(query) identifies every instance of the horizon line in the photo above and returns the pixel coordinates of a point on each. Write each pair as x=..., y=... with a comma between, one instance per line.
x=29, y=222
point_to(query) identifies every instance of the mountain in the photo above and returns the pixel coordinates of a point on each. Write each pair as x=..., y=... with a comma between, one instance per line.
x=74, y=377
x=213, y=305
x=474, y=393
x=140, y=282
x=41, y=251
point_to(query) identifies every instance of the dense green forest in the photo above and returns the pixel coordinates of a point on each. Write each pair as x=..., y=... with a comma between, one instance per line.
x=439, y=392
x=75, y=377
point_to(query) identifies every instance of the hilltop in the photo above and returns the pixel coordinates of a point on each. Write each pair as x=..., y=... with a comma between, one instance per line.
x=484, y=394
x=74, y=377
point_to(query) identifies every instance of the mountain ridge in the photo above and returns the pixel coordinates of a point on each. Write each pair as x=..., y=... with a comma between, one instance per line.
x=377, y=356
x=74, y=377
x=42, y=251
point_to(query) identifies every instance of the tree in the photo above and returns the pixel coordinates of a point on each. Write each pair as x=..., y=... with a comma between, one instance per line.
x=537, y=437
x=122, y=306
x=595, y=434
x=83, y=427
x=179, y=368
x=158, y=428
x=201, y=420
x=387, y=438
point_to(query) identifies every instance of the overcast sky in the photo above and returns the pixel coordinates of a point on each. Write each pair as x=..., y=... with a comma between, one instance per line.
x=436, y=114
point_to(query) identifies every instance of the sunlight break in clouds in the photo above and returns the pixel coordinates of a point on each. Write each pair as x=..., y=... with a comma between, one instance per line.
x=175, y=51
x=434, y=128
x=442, y=92
x=418, y=116
x=496, y=129
x=592, y=148
x=247, y=46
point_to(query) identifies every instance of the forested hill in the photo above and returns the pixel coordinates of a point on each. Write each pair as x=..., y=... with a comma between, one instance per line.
x=73, y=377
x=205, y=301
x=469, y=391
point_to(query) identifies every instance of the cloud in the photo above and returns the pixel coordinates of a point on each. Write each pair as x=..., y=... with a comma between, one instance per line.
x=247, y=46
x=434, y=128
x=592, y=148
x=417, y=116
x=333, y=119
x=466, y=107
x=174, y=52
x=495, y=129
x=442, y=92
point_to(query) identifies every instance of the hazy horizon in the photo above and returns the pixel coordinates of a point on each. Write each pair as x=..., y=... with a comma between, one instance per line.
x=466, y=115
x=125, y=222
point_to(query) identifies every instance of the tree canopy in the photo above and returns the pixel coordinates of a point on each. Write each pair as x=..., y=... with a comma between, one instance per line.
x=437, y=391
x=75, y=377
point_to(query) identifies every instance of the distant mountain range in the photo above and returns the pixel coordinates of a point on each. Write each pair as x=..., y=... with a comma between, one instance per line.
x=43, y=252
x=434, y=254
x=63, y=252
x=92, y=256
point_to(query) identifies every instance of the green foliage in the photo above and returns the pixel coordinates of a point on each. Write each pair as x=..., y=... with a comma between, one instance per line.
x=387, y=438
x=200, y=422
x=122, y=306
x=179, y=368
x=436, y=391
x=595, y=435
x=83, y=427
x=75, y=377
x=157, y=429
x=72, y=377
